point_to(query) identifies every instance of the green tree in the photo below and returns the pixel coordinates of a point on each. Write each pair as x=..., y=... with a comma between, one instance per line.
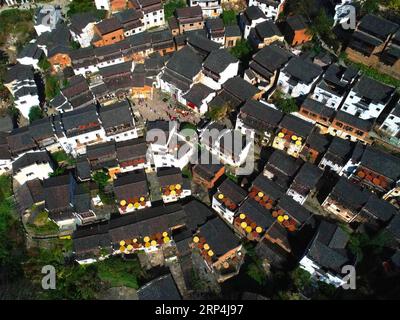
x=229, y=17
x=170, y=7
x=52, y=87
x=78, y=6
x=217, y=113
x=285, y=104
x=321, y=27
x=301, y=278
x=44, y=64
x=101, y=178
x=370, y=6
x=242, y=50
x=35, y=113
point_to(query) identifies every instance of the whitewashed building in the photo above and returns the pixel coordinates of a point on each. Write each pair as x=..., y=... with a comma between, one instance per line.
x=181, y=72
x=298, y=77
x=102, y=4
x=334, y=86
x=271, y=8
x=30, y=55
x=153, y=12
x=368, y=98
x=167, y=147
x=79, y=128
x=249, y=18
x=231, y=147
x=219, y=67
x=82, y=28
x=118, y=122
x=32, y=165
x=20, y=81
x=210, y=8
x=227, y=199
x=327, y=254
x=391, y=125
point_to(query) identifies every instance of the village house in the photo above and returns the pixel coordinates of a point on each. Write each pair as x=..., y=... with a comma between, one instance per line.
x=271, y=8
x=291, y=134
x=199, y=42
x=295, y=30
x=103, y=156
x=253, y=218
x=220, y=249
x=305, y=183
x=210, y=8
x=108, y=31
x=32, y=165
x=390, y=57
x=219, y=67
x=391, y=124
x=153, y=12
x=230, y=146
x=173, y=185
x=132, y=155
x=264, y=34
x=282, y=168
x=314, y=147
x=207, y=173
x=337, y=155
x=58, y=40
x=349, y=127
x=131, y=191
x=215, y=30
x=317, y=113
x=109, y=55
x=232, y=35
x=368, y=98
x=84, y=61
x=131, y=21
x=162, y=42
x=250, y=18
x=227, y=199
x=186, y=19
x=82, y=28
x=20, y=141
x=77, y=93
x=265, y=66
x=118, y=121
x=198, y=97
x=370, y=44
x=327, y=254
x=298, y=76
x=377, y=213
x=240, y=90
x=182, y=70
x=259, y=119
x=80, y=128
x=20, y=80
x=334, y=86
x=28, y=196
x=30, y=55
x=293, y=217
x=167, y=148
x=59, y=198
x=346, y=200
x=377, y=170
